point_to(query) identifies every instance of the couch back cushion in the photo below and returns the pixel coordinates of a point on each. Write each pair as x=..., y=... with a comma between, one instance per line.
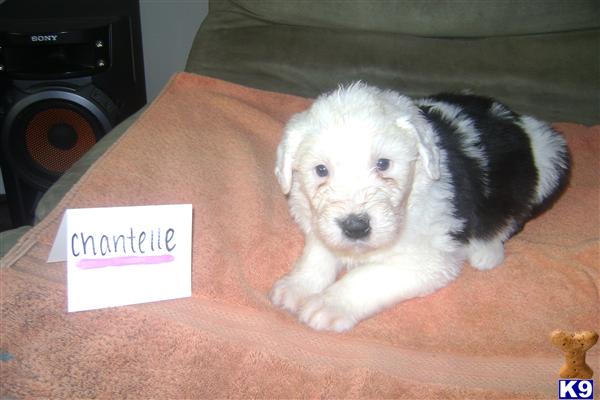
x=541, y=59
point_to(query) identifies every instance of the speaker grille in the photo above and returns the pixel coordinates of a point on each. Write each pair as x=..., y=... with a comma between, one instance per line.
x=48, y=137
x=57, y=137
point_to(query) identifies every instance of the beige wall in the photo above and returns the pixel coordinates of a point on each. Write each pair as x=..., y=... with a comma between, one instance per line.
x=168, y=28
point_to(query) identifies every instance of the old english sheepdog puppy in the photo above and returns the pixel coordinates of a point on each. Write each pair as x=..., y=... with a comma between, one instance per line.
x=399, y=193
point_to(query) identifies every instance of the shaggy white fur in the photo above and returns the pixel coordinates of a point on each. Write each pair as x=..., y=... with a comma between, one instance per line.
x=371, y=188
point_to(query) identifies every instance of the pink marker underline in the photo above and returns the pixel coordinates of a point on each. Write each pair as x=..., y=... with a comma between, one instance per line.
x=90, y=263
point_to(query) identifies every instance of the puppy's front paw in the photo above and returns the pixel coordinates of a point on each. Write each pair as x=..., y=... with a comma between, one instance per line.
x=323, y=312
x=289, y=293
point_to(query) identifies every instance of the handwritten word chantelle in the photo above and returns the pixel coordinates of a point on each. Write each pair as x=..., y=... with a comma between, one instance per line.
x=131, y=243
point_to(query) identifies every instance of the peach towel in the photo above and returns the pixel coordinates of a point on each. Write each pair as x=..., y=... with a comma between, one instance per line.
x=212, y=144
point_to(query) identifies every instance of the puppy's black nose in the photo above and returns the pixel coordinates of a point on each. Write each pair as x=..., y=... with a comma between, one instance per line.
x=355, y=226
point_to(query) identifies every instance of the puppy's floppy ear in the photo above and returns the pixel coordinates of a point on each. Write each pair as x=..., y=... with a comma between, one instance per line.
x=286, y=152
x=424, y=135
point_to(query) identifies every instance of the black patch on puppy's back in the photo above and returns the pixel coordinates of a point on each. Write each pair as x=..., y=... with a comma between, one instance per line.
x=486, y=198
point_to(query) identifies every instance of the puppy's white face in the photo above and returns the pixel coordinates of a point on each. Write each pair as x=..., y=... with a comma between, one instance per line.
x=355, y=175
x=349, y=164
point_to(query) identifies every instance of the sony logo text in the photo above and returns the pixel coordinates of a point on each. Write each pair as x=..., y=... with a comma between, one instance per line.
x=44, y=38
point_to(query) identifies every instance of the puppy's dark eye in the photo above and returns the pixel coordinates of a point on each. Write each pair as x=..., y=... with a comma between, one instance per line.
x=383, y=164
x=321, y=170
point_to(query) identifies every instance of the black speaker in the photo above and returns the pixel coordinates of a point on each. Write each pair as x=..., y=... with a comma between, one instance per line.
x=69, y=72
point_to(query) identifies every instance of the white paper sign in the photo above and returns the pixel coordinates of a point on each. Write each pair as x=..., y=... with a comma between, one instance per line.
x=125, y=255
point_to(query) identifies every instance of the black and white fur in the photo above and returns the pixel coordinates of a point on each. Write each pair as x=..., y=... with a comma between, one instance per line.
x=400, y=192
x=505, y=168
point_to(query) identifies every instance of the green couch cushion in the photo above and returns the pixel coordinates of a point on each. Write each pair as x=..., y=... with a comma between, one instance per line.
x=433, y=18
x=9, y=238
x=548, y=68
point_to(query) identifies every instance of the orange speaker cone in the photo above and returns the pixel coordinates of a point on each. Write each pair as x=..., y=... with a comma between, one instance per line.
x=57, y=137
